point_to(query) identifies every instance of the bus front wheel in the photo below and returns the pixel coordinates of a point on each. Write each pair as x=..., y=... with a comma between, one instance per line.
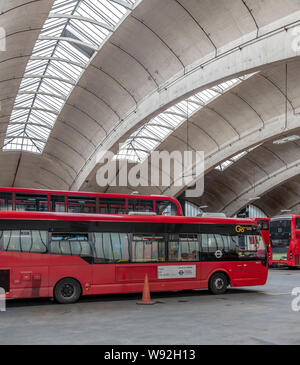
x=218, y=283
x=67, y=291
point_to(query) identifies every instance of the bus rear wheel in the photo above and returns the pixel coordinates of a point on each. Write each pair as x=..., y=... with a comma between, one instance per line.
x=218, y=283
x=67, y=291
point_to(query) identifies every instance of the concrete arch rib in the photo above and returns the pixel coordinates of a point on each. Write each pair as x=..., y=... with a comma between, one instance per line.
x=275, y=41
x=263, y=187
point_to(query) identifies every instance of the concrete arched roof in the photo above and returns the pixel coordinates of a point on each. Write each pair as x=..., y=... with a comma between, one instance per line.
x=251, y=113
x=260, y=173
x=162, y=52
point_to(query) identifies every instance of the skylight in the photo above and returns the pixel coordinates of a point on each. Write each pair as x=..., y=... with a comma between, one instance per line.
x=287, y=139
x=145, y=140
x=223, y=166
x=72, y=33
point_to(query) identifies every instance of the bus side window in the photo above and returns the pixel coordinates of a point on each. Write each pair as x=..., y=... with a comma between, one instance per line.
x=57, y=203
x=81, y=204
x=140, y=205
x=24, y=241
x=148, y=248
x=110, y=247
x=6, y=201
x=184, y=247
x=112, y=206
x=32, y=202
x=263, y=225
x=165, y=207
x=212, y=242
x=11, y=241
x=73, y=244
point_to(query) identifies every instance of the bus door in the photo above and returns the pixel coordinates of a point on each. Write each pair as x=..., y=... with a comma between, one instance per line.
x=252, y=255
x=280, y=238
x=26, y=246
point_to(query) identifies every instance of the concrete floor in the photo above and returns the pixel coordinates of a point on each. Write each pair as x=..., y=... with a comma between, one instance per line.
x=256, y=315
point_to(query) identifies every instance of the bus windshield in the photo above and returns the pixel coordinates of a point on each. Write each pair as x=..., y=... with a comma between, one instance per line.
x=280, y=234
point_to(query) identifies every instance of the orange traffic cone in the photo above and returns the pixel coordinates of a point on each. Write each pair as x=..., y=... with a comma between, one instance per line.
x=146, y=299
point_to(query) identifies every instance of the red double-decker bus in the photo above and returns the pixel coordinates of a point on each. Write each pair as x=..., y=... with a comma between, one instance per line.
x=35, y=200
x=65, y=256
x=285, y=240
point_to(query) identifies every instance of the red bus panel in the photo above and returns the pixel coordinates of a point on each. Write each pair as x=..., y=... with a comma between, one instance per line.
x=40, y=252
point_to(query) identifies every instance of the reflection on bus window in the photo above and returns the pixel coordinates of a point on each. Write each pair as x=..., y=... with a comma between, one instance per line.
x=81, y=204
x=6, y=201
x=74, y=244
x=23, y=241
x=250, y=246
x=184, y=247
x=110, y=247
x=140, y=205
x=147, y=248
x=280, y=235
x=31, y=202
x=165, y=207
x=57, y=203
x=112, y=206
x=231, y=247
x=263, y=225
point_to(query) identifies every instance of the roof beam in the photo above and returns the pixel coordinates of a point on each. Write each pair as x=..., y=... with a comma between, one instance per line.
x=33, y=124
x=35, y=108
x=181, y=115
x=83, y=19
x=36, y=76
x=69, y=40
x=11, y=136
x=57, y=59
x=43, y=94
x=123, y=3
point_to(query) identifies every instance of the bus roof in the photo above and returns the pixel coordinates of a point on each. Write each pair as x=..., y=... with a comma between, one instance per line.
x=120, y=218
x=287, y=216
x=85, y=193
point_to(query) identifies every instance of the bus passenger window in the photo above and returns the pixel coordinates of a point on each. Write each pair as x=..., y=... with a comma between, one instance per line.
x=6, y=201
x=110, y=247
x=147, y=248
x=184, y=247
x=165, y=207
x=211, y=243
x=74, y=244
x=57, y=203
x=32, y=202
x=24, y=241
x=263, y=225
x=250, y=246
x=112, y=206
x=81, y=204
x=140, y=205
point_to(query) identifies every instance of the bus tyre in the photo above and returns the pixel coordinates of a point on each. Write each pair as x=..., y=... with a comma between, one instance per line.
x=67, y=291
x=218, y=283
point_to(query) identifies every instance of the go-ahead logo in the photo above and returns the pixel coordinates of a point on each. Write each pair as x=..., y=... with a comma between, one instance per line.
x=241, y=229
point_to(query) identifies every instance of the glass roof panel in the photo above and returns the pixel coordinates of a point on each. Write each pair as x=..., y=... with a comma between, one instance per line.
x=71, y=34
x=235, y=158
x=171, y=118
